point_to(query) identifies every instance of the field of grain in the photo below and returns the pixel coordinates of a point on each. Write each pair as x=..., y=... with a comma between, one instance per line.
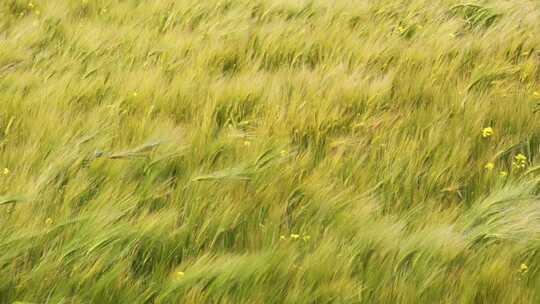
x=269, y=151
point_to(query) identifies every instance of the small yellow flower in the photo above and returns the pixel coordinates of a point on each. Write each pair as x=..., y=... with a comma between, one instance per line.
x=452, y=35
x=282, y=237
x=30, y=5
x=523, y=268
x=489, y=166
x=49, y=221
x=536, y=94
x=295, y=236
x=135, y=94
x=402, y=29
x=38, y=12
x=503, y=174
x=487, y=132
x=247, y=143
x=520, y=161
x=6, y=171
x=180, y=273
x=283, y=152
x=520, y=157
x=306, y=238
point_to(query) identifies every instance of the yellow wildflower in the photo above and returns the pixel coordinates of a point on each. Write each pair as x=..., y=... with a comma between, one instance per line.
x=523, y=268
x=30, y=5
x=180, y=273
x=520, y=157
x=295, y=236
x=536, y=94
x=247, y=143
x=503, y=174
x=402, y=29
x=6, y=171
x=487, y=132
x=520, y=161
x=489, y=166
x=282, y=237
x=306, y=238
x=49, y=221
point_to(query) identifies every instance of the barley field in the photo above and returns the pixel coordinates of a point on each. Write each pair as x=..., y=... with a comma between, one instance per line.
x=269, y=151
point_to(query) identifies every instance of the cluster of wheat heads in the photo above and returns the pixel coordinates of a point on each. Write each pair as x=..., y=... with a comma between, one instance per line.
x=269, y=151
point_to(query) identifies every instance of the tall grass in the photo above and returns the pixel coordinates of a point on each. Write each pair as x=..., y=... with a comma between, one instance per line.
x=269, y=151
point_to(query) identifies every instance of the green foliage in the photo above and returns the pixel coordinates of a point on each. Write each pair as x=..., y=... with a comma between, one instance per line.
x=269, y=151
x=475, y=15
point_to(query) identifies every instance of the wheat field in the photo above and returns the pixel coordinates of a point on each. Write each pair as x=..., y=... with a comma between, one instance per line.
x=269, y=151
